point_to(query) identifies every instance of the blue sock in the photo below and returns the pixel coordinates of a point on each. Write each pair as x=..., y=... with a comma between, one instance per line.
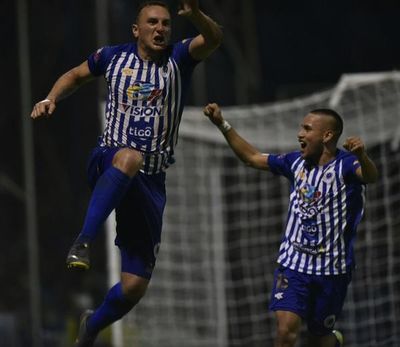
x=114, y=307
x=109, y=189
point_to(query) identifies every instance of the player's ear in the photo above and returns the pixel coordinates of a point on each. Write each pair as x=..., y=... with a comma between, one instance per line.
x=135, y=31
x=328, y=136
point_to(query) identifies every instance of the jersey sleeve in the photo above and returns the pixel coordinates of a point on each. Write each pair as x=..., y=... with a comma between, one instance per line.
x=350, y=166
x=281, y=164
x=99, y=60
x=182, y=55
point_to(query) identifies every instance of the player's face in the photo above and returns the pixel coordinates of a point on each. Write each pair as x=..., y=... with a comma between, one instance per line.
x=311, y=136
x=152, y=30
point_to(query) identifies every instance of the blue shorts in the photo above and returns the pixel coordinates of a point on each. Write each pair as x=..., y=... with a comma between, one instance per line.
x=138, y=216
x=316, y=299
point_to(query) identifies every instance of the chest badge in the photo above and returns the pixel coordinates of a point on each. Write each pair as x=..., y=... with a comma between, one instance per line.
x=328, y=177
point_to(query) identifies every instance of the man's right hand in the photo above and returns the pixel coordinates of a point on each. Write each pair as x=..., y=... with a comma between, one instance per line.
x=43, y=108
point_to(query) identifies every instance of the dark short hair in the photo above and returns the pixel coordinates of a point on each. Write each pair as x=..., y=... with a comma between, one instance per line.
x=147, y=3
x=331, y=113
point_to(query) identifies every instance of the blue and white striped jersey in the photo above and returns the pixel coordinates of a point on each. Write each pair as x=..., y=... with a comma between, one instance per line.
x=145, y=99
x=325, y=206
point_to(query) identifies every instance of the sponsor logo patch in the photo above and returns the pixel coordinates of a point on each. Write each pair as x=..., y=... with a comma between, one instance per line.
x=308, y=249
x=143, y=91
x=127, y=71
x=309, y=193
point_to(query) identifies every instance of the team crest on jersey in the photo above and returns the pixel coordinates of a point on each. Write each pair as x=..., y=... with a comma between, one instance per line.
x=143, y=91
x=165, y=70
x=309, y=193
x=329, y=177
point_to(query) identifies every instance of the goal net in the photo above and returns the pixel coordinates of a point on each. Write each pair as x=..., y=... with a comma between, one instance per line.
x=224, y=221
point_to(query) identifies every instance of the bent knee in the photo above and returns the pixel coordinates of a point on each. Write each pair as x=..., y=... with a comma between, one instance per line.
x=128, y=160
x=134, y=287
x=287, y=335
x=288, y=328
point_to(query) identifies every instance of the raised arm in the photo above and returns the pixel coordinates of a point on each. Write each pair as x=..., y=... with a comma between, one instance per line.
x=210, y=36
x=243, y=150
x=64, y=86
x=367, y=172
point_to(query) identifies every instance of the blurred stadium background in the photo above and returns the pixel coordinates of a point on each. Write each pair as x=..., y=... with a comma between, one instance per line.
x=275, y=53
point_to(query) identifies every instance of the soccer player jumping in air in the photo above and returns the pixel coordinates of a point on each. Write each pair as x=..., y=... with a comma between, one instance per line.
x=147, y=83
x=316, y=257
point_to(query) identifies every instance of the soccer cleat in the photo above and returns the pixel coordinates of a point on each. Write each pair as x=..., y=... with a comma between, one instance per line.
x=339, y=338
x=84, y=339
x=78, y=256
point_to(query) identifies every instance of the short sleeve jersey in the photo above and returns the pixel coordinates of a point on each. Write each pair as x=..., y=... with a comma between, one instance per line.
x=145, y=99
x=326, y=205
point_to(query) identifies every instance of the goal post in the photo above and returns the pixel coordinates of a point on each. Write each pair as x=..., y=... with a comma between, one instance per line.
x=224, y=221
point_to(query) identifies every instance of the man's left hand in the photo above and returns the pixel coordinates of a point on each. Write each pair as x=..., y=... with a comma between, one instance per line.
x=188, y=7
x=354, y=145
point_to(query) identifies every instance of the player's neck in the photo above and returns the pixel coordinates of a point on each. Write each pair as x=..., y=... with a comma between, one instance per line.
x=327, y=156
x=149, y=55
x=322, y=158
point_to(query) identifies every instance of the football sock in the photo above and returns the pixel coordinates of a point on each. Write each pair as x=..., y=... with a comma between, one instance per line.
x=107, y=193
x=114, y=307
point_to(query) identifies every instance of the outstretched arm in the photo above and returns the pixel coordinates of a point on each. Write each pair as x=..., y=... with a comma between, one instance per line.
x=210, y=36
x=64, y=86
x=244, y=150
x=367, y=172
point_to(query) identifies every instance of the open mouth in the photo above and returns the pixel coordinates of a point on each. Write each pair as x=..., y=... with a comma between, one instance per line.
x=159, y=40
x=302, y=144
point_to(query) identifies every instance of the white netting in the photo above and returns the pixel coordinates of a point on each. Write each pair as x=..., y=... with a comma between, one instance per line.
x=224, y=221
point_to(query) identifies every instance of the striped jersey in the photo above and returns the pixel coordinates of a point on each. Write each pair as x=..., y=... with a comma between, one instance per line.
x=145, y=99
x=325, y=207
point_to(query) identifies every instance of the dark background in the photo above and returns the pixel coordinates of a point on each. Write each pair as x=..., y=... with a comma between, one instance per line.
x=279, y=49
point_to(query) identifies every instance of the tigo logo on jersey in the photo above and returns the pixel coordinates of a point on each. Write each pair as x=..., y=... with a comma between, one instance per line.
x=143, y=91
x=141, y=133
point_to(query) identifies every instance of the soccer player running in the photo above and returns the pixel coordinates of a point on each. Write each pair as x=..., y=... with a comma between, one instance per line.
x=316, y=257
x=147, y=83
